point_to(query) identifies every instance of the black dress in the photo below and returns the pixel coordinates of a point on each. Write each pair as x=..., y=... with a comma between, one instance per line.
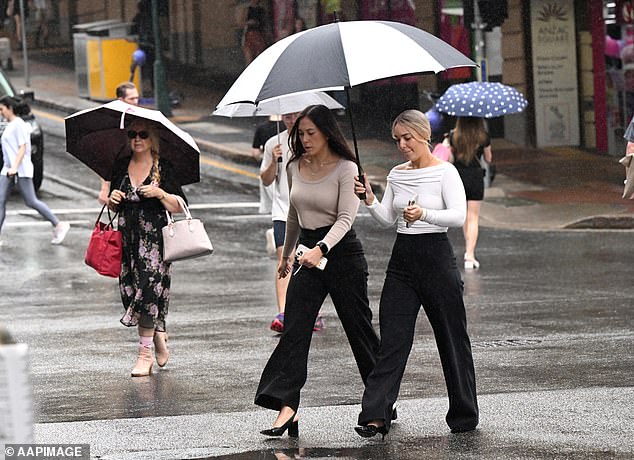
x=472, y=174
x=145, y=278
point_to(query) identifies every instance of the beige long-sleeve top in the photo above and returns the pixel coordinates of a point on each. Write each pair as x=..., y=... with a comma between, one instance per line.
x=327, y=201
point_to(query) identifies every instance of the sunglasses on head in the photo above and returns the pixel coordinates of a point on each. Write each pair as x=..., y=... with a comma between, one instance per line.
x=142, y=134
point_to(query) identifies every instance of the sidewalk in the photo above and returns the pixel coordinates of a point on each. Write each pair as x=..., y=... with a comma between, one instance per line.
x=535, y=189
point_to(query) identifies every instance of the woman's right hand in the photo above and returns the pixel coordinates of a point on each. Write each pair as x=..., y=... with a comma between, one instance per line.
x=364, y=187
x=284, y=268
x=115, y=199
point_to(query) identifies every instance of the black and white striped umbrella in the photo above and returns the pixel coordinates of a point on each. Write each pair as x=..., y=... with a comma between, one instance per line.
x=481, y=99
x=341, y=55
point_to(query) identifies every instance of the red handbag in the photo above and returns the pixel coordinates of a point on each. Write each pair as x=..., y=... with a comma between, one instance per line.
x=105, y=248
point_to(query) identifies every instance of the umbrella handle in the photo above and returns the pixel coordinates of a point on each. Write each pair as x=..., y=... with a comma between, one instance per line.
x=122, y=120
x=362, y=196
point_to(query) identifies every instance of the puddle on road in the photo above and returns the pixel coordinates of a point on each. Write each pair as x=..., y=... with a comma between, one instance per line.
x=316, y=453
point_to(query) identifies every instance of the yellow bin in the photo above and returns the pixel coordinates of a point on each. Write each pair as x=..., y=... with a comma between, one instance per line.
x=109, y=61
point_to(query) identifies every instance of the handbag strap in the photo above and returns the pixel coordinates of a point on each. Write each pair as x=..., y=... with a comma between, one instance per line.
x=110, y=218
x=184, y=207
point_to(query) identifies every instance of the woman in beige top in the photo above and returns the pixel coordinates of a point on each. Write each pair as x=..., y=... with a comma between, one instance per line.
x=322, y=208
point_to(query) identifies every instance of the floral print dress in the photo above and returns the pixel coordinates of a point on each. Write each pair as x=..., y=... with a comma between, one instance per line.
x=145, y=278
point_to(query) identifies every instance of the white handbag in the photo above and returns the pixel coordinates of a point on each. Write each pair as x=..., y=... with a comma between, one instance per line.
x=184, y=239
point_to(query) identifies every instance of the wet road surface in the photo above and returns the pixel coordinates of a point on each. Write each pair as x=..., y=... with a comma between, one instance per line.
x=549, y=317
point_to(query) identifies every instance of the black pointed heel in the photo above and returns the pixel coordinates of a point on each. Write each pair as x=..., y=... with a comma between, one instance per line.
x=290, y=425
x=293, y=430
x=369, y=431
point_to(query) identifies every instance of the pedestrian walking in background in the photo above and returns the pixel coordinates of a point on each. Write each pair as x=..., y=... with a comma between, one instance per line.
x=18, y=167
x=424, y=196
x=143, y=28
x=253, y=35
x=13, y=13
x=126, y=92
x=42, y=11
x=263, y=132
x=299, y=24
x=629, y=137
x=470, y=142
x=144, y=186
x=273, y=176
x=322, y=208
x=277, y=153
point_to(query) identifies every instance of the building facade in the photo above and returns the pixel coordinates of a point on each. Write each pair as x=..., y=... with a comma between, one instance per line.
x=569, y=57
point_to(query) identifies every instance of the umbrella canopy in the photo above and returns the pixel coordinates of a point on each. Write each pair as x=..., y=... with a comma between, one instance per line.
x=97, y=137
x=481, y=100
x=340, y=55
x=281, y=105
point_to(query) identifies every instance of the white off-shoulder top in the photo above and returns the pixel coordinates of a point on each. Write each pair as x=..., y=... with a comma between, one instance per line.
x=438, y=190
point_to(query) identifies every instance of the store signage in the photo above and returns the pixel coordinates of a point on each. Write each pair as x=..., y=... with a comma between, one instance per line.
x=555, y=72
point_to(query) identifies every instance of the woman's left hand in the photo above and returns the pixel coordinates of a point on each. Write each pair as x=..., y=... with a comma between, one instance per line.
x=311, y=257
x=412, y=213
x=150, y=191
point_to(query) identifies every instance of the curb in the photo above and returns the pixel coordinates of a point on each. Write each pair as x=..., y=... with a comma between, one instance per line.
x=603, y=222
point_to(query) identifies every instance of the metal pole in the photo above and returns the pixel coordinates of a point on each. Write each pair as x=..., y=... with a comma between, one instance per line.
x=27, y=78
x=478, y=36
x=161, y=95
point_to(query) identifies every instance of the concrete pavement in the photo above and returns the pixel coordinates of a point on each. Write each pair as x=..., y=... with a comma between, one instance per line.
x=537, y=189
x=564, y=424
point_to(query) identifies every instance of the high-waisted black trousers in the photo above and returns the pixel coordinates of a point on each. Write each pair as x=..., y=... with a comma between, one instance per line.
x=422, y=271
x=345, y=279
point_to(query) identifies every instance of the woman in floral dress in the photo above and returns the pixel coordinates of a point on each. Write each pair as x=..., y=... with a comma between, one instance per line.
x=143, y=186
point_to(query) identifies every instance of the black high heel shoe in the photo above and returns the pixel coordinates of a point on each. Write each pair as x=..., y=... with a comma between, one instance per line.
x=290, y=425
x=369, y=431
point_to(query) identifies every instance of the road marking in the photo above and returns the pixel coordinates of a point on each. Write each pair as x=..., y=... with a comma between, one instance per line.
x=229, y=205
x=203, y=158
x=233, y=169
x=245, y=217
x=42, y=223
x=50, y=116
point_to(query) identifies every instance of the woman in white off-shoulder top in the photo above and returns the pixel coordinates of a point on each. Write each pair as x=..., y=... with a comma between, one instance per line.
x=424, y=196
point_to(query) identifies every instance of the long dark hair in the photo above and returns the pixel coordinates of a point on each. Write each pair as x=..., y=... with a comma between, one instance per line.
x=326, y=123
x=16, y=104
x=467, y=137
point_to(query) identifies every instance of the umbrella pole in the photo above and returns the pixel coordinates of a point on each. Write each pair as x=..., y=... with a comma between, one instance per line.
x=280, y=159
x=354, y=141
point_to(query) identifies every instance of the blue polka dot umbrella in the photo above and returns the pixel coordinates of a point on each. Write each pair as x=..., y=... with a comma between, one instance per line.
x=481, y=100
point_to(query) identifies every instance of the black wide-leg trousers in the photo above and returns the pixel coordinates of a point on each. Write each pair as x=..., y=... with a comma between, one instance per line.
x=422, y=271
x=345, y=279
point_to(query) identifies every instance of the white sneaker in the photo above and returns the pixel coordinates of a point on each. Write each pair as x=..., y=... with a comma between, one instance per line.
x=59, y=232
x=270, y=242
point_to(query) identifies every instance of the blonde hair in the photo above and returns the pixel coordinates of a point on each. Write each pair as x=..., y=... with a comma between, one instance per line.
x=154, y=148
x=468, y=135
x=416, y=122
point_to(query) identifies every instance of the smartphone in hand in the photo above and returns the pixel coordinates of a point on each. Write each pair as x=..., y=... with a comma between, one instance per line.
x=411, y=202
